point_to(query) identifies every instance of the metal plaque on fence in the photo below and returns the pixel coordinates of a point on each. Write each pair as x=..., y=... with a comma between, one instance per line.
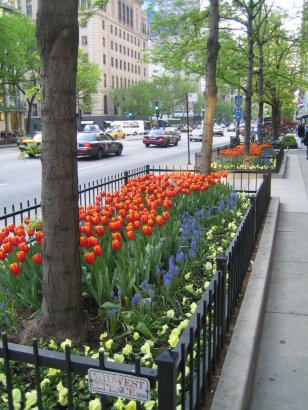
x=119, y=385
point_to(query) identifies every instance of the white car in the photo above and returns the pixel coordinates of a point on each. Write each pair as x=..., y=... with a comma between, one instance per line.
x=231, y=128
x=217, y=130
x=196, y=134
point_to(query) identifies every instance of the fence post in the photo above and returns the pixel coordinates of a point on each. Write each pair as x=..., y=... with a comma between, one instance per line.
x=167, y=379
x=125, y=177
x=255, y=216
x=147, y=167
x=221, y=266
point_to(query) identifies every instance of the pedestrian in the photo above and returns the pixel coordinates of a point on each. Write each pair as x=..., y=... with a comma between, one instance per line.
x=252, y=135
x=300, y=134
x=305, y=140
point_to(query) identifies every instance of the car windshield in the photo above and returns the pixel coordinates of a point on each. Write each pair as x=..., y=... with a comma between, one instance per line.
x=156, y=132
x=86, y=137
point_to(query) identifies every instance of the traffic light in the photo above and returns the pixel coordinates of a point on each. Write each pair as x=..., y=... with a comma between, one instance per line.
x=156, y=109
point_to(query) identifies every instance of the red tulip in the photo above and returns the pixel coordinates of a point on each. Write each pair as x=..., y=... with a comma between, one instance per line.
x=8, y=247
x=15, y=268
x=2, y=255
x=97, y=250
x=100, y=230
x=89, y=258
x=21, y=256
x=116, y=244
x=130, y=235
x=37, y=258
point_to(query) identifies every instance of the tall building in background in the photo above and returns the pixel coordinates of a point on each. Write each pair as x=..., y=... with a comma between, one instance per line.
x=114, y=39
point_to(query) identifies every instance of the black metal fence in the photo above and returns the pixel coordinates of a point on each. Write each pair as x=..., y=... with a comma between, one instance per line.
x=199, y=345
x=240, y=180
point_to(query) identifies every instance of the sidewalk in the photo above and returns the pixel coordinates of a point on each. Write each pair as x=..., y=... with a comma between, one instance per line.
x=266, y=367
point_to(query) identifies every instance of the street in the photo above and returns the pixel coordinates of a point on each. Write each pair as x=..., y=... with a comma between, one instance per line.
x=20, y=178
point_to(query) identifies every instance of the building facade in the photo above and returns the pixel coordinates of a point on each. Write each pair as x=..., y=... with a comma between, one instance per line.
x=115, y=39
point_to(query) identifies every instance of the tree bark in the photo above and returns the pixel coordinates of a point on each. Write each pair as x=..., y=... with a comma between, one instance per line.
x=210, y=94
x=260, y=93
x=62, y=315
x=276, y=118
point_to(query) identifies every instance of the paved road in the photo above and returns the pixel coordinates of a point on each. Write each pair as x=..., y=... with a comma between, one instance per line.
x=20, y=178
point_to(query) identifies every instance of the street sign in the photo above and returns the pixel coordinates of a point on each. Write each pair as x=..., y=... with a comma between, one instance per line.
x=238, y=100
x=238, y=113
x=192, y=97
x=119, y=385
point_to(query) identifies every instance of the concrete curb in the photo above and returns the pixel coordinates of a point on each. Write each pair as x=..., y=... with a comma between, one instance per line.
x=283, y=168
x=234, y=387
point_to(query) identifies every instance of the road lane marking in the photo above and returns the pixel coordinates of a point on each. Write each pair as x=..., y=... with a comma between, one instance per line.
x=3, y=184
x=140, y=156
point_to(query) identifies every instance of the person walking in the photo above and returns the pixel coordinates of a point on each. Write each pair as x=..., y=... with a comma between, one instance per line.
x=300, y=134
x=305, y=140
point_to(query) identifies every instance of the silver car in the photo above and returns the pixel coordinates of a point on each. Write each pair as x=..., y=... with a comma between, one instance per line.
x=196, y=134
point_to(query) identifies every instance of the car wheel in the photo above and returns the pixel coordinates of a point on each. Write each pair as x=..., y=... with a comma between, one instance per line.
x=31, y=155
x=119, y=151
x=147, y=145
x=176, y=143
x=100, y=154
x=135, y=133
x=167, y=144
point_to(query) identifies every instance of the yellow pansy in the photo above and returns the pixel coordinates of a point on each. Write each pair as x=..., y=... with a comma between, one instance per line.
x=31, y=399
x=66, y=342
x=108, y=344
x=170, y=313
x=127, y=349
x=136, y=336
x=45, y=382
x=103, y=336
x=95, y=404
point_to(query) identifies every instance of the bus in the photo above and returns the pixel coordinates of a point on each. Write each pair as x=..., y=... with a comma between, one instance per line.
x=130, y=127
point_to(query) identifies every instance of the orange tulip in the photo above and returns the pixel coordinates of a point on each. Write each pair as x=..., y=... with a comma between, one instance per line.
x=2, y=255
x=97, y=250
x=100, y=230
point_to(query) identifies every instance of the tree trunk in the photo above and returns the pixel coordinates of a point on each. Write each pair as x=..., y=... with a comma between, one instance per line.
x=276, y=118
x=210, y=94
x=260, y=93
x=29, y=114
x=248, y=96
x=62, y=310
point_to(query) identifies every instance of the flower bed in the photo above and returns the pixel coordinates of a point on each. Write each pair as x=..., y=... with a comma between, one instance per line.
x=261, y=157
x=144, y=282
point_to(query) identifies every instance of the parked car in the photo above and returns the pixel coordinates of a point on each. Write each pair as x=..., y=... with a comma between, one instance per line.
x=161, y=138
x=217, y=130
x=97, y=145
x=27, y=138
x=32, y=145
x=116, y=133
x=196, y=134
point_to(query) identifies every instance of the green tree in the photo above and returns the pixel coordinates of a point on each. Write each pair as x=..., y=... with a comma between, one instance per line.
x=88, y=78
x=19, y=58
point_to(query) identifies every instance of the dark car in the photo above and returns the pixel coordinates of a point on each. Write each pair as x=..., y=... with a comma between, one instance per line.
x=93, y=144
x=161, y=138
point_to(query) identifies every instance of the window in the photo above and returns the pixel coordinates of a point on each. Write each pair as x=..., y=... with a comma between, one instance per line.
x=131, y=39
x=139, y=70
x=105, y=80
x=131, y=17
x=123, y=13
x=124, y=50
x=135, y=69
x=135, y=55
x=116, y=46
x=111, y=28
x=112, y=82
x=111, y=45
x=120, y=64
x=144, y=72
x=104, y=42
x=119, y=11
x=105, y=105
x=117, y=82
x=135, y=40
x=103, y=24
x=84, y=40
x=121, y=82
x=128, y=67
x=111, y=61
x=124, y=82
x=124, y=65
x=120, y=47
x=138, y=42
x=123, y=35
x=104, y=58
x=116, y=63
x=127, y=15
x=129, y=83
x=116, y=31
x=132, y=53
x=120, y=33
